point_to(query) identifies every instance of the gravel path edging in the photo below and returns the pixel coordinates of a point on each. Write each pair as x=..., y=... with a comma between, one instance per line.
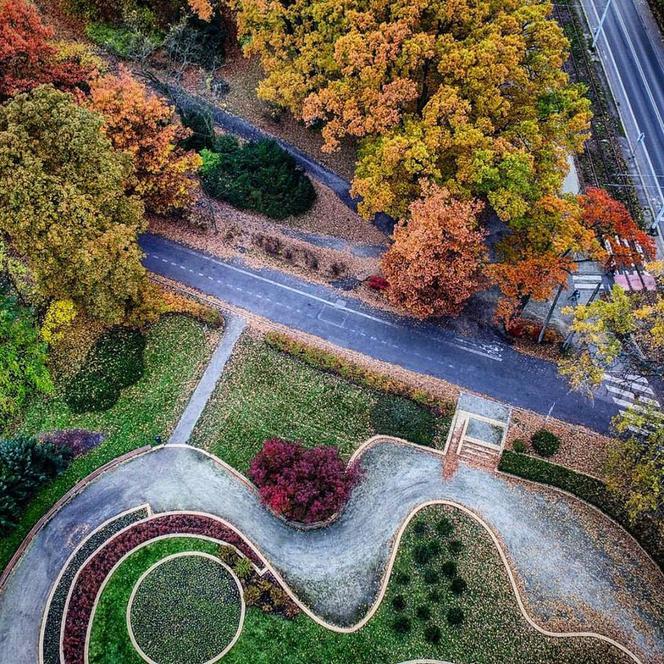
x=183, y=554
x=77, y=488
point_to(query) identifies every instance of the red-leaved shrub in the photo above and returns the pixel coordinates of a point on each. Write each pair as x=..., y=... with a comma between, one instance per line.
x=302, y=484
x=376, y=282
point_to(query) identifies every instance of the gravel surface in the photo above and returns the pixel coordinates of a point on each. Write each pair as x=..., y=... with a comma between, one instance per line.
x=606, y=582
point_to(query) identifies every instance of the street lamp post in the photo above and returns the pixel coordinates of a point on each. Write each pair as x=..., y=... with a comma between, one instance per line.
x=599, y=28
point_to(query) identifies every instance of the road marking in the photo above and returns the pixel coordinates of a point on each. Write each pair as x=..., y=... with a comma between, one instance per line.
x=617, y=390
x=338, y=304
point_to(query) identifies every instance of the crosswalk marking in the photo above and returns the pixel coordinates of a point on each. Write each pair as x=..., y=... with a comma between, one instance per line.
x=586, y=281
x=628, y=392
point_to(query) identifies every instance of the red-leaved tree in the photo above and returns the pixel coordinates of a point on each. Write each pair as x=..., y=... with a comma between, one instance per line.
x=613, y=224
x=27, y=59
x=302, y=484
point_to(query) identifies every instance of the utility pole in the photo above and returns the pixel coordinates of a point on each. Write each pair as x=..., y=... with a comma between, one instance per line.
x=599, y=28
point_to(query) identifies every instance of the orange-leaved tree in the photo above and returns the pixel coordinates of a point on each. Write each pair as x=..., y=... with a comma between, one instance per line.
x=436, y=261
x=614, y=225
x=27, y=58
x=141, y=124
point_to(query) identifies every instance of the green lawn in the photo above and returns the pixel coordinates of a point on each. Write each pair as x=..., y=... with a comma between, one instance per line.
x=493, y=632
x=176, y=350
x=266, y=393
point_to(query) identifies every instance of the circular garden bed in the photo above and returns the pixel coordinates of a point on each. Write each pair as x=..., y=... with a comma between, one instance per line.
x=185, y=609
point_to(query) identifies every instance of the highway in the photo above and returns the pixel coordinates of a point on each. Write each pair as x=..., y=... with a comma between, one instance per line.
x=631, y=49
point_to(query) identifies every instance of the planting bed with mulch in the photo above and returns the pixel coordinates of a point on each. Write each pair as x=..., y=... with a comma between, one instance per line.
x=448, y=598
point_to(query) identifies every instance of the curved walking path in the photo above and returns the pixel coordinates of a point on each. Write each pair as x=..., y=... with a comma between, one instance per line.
x=600, y=575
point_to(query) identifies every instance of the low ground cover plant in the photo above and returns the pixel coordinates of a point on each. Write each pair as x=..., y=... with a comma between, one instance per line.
x=115, y=363
x=404, y=418
x=302, y=484
x=77, y=442
x=646, y=530
x=259, y=176
x=187, y=609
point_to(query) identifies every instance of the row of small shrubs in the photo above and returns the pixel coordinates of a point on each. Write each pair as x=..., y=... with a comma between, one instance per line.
x=26, y=464
x=115, y=362
x=645, y=529
x=258, y=176
x=355, y=373
x=427, y=552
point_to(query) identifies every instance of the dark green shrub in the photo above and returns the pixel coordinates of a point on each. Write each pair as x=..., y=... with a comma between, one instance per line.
x=258, y=176
x=455, y=547
x=420, y=528
x=25, y=465
x=458, y=585
x=431, y=576
x=401, y=625
x=423, y=553
x=444, y=527
x=519, y=445
x=432, y=633
x=646, y=530
x=403, y=418
x=434, y=597
x=423, y=612
x=115, y=363
x=200, y=123
x=402, y=578
x=399, y=603
x=449, y=568
x=545, y=442
x=455, y=615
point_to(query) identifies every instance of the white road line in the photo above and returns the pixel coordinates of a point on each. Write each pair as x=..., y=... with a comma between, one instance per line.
x=638, y=387
x=316, y=298
x=617, y=390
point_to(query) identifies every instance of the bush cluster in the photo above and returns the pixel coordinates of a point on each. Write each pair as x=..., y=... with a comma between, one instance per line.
x=263, y=592
x=545, y=442
x=302, y=484
x=25, y=465
x=258, y=176
x=645, y=530
x=115, y=363
x=403, y=418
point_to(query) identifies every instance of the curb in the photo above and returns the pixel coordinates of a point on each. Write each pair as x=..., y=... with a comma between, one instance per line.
x=77, y=488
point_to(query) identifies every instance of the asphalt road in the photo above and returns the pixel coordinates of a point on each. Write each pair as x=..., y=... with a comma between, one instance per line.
x=483, y=364
x=632, y=52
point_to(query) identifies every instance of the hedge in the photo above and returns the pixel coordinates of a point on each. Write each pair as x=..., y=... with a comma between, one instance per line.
x=645, y=529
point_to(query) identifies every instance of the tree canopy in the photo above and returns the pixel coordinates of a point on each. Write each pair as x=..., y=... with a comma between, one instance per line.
x=436, y=261
x=63, y=204
x=145, y=127
x=28, y=59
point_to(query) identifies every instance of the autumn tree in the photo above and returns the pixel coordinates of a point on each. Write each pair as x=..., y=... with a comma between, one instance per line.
x=63, y=204
x=28, y=58
x=469, y=94
x=143, y=126
x=436, y=260
x=635, y=467
x=628, y=245
x=623, y=334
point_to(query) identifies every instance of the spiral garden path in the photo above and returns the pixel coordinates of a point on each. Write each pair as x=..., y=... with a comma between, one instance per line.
x=568, y=560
